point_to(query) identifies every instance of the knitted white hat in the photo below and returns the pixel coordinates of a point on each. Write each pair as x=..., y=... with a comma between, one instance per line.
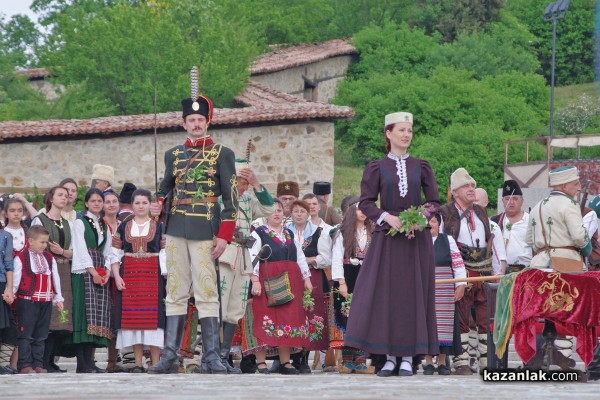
x=103, y=172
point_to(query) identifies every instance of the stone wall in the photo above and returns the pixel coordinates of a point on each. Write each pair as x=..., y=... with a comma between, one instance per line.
x=301, y=152
x=326, y=74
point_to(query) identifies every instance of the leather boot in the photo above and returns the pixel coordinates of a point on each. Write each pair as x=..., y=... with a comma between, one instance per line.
x=211, y=356
x=228, y=333
x=83, y=363
x=594, y=368
x=175, y=325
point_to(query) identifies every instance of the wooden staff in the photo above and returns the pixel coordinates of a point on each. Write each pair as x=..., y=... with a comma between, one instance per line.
x=472, y=279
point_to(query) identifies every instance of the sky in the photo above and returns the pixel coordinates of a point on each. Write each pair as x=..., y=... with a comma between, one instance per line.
x=12, y=7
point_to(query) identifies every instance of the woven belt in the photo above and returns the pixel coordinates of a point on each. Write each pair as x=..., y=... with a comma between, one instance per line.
x=547, y=248
x=141, y=254
x=190, y=201
x=483, y=268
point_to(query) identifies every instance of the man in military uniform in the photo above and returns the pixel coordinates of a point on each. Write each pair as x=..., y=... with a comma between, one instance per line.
x=235, y=263
x=327, y=213
x=469, y=225
x=556, y=226
x=556, y=231
x=197, y=230
x=513, y=222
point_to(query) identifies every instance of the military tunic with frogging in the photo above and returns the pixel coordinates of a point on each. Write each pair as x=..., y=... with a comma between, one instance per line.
x=194, y=218
x=193, y=221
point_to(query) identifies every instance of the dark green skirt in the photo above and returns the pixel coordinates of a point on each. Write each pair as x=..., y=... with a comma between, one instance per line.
x=79, y=317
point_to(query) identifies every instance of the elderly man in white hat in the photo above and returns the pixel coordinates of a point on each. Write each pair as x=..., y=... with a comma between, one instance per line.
x=558, y=237
x=469, y=225
x=235, y=263
x=102, y=177
x=556, y=230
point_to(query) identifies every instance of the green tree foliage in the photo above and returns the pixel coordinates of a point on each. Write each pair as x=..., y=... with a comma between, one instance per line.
x=123, y=52
x=458, y=17
x=474, y=106
x=574, y=38
x=478, y=147
x=288, y=21
x=18, y=37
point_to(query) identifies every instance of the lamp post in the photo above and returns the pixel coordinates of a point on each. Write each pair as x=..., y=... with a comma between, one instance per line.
x=553, y=12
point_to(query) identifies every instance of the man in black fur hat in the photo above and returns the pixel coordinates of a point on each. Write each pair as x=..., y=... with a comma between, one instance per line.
x=328, y=214
x=513, y=223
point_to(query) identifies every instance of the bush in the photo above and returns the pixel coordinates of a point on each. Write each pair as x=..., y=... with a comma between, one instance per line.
x=575, y=117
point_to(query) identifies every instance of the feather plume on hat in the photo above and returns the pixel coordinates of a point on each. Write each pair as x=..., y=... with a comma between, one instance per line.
x=197, y=103
x=241, y=163
x=194, y=86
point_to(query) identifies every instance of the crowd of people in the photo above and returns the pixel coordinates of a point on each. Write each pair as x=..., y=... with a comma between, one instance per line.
x=272, y=277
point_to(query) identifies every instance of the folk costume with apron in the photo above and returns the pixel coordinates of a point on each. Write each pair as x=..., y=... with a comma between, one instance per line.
x=140, y=309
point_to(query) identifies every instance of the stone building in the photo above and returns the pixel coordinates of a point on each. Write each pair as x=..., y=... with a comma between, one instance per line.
x=292, y=136
x=308, y=71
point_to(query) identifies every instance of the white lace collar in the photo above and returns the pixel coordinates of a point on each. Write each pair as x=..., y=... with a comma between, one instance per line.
x=401, y=172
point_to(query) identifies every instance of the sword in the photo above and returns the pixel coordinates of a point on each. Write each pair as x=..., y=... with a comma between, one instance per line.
x=260, y=254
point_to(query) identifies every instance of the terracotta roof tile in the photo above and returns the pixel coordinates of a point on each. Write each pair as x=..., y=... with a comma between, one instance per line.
x=300, y=55
x=263, y=105
x=34, y=73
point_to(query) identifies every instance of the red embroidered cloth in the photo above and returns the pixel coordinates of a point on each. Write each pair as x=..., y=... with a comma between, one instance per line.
x=572, y=300
x=139, y=309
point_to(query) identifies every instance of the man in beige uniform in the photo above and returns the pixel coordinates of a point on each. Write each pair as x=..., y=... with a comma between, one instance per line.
x=235, y=263
x=555, y=224
x=556, y=230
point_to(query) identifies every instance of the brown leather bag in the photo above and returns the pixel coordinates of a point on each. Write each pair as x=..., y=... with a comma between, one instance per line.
x=563, y=264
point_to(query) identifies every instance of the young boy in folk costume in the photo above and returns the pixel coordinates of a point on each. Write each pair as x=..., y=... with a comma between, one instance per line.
x=37, y=285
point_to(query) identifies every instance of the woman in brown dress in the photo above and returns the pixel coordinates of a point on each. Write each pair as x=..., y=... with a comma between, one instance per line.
x=393, y=305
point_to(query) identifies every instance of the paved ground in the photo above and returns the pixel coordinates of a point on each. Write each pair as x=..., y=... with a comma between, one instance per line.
x=326, y=386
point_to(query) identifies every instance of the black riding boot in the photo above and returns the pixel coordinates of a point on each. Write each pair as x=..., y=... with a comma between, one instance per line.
x=83, y=360
x=175, y=326
x=211, y=356
x=228, y=333
x=594, y=367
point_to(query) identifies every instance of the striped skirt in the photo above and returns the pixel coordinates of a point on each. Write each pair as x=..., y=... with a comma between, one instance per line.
x=444, y=305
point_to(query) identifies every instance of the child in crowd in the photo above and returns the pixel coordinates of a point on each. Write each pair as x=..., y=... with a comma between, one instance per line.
x=37, y=285
x=8, y=329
